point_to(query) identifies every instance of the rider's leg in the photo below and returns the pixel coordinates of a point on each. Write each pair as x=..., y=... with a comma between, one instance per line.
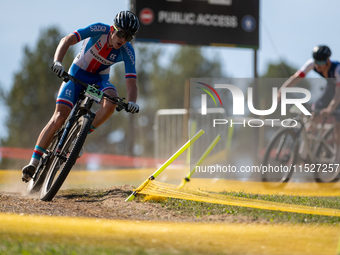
x=59, y=116
x=45, y=138
x=103, y=114
x=337, y=133
x=92, y=128
x=337, y=139
x=106, y=110
x=316, y=119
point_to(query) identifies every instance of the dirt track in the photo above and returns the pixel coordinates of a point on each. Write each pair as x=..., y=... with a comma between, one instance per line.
x=108, y=204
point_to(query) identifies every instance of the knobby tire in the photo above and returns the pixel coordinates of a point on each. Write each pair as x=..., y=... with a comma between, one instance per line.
x=319, y=175
x=50, y=188
x=284, y=134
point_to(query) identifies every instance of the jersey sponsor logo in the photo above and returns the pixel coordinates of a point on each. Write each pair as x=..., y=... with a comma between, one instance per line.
x=130, y=53
x=68, y=93
x=112, y=57
x=97, y=28
x=98, y=46
x=99, y=58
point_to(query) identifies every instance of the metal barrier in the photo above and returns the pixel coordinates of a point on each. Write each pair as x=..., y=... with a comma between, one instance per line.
x=173, y=126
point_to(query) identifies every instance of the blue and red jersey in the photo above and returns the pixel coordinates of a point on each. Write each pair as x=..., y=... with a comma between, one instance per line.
x=333, y=72
x=96, y=57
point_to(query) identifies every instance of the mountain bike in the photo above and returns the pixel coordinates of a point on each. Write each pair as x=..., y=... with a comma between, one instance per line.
x=294, y=150
x=62, y=153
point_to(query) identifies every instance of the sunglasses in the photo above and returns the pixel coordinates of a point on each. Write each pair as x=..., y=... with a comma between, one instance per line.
x=320, y=62
x=121, y=34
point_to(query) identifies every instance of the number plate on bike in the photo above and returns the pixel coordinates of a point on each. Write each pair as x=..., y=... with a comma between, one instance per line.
x=94, y=93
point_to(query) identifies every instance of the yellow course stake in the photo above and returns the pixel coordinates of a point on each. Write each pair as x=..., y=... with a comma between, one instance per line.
x=204, y=155
x=230, y=137
x=192, y=132
x=166, y=164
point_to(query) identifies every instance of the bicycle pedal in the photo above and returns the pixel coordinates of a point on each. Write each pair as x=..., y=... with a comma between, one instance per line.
x=26, y=178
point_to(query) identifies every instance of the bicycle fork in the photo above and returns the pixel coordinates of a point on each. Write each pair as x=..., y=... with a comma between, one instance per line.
x=66, y=132
x=86, y=105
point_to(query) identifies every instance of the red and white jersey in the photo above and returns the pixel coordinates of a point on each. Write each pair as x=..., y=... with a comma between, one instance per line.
x=95, y=55
x=333, y=73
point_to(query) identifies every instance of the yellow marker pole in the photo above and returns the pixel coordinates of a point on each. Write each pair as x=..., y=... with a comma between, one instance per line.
x=166, y=164
x=204, y=155
x=192, y=132
x=229, y=138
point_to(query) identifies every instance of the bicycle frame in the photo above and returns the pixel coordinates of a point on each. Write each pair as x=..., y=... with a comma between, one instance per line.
x=309, y=143
x=297, y=147
x=64, y=150
x=83, y=104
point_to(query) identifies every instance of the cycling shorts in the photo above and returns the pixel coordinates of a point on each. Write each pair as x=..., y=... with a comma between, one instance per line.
x=69, y=92
x=325, y=99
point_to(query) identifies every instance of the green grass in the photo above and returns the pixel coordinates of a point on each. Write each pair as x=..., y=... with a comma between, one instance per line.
x=199, y=209
x=25, y=246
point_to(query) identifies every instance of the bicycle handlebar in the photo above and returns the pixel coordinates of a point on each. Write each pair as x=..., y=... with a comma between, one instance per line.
x=115, y=100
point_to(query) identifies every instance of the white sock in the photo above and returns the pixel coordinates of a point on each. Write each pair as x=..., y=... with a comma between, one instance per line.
x=34, y=162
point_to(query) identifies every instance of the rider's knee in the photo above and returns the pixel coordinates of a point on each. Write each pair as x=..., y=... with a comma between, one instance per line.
x=110, y=108
x=58, y=119
x=337, y=126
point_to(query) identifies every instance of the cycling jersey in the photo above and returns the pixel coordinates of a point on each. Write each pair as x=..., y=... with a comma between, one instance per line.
x=333, y=80
x=92, y=64
x=333, y=73
x=97, y=57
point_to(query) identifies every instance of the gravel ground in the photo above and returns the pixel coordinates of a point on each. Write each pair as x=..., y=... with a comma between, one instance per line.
x=108, y=204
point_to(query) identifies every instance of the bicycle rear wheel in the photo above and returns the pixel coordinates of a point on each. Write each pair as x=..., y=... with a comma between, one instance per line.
x=325, y=157
x=62, y=164
x=280, y=157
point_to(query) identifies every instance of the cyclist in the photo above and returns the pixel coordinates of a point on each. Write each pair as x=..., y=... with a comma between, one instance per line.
x=329, y=101
x=103, y=46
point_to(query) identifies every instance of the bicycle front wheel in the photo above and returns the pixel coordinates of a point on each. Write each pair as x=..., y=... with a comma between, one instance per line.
x=280, y=157
x=325, y=156
x=62, y=164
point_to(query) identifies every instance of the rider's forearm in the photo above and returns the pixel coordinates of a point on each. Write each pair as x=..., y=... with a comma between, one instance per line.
x=291, y=82
x=131, y=90
x=332, y=105
x=336, y=100
x=63, y=46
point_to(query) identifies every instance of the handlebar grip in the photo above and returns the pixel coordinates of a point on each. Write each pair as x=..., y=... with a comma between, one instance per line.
x=119, y=107
x=65, y=76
